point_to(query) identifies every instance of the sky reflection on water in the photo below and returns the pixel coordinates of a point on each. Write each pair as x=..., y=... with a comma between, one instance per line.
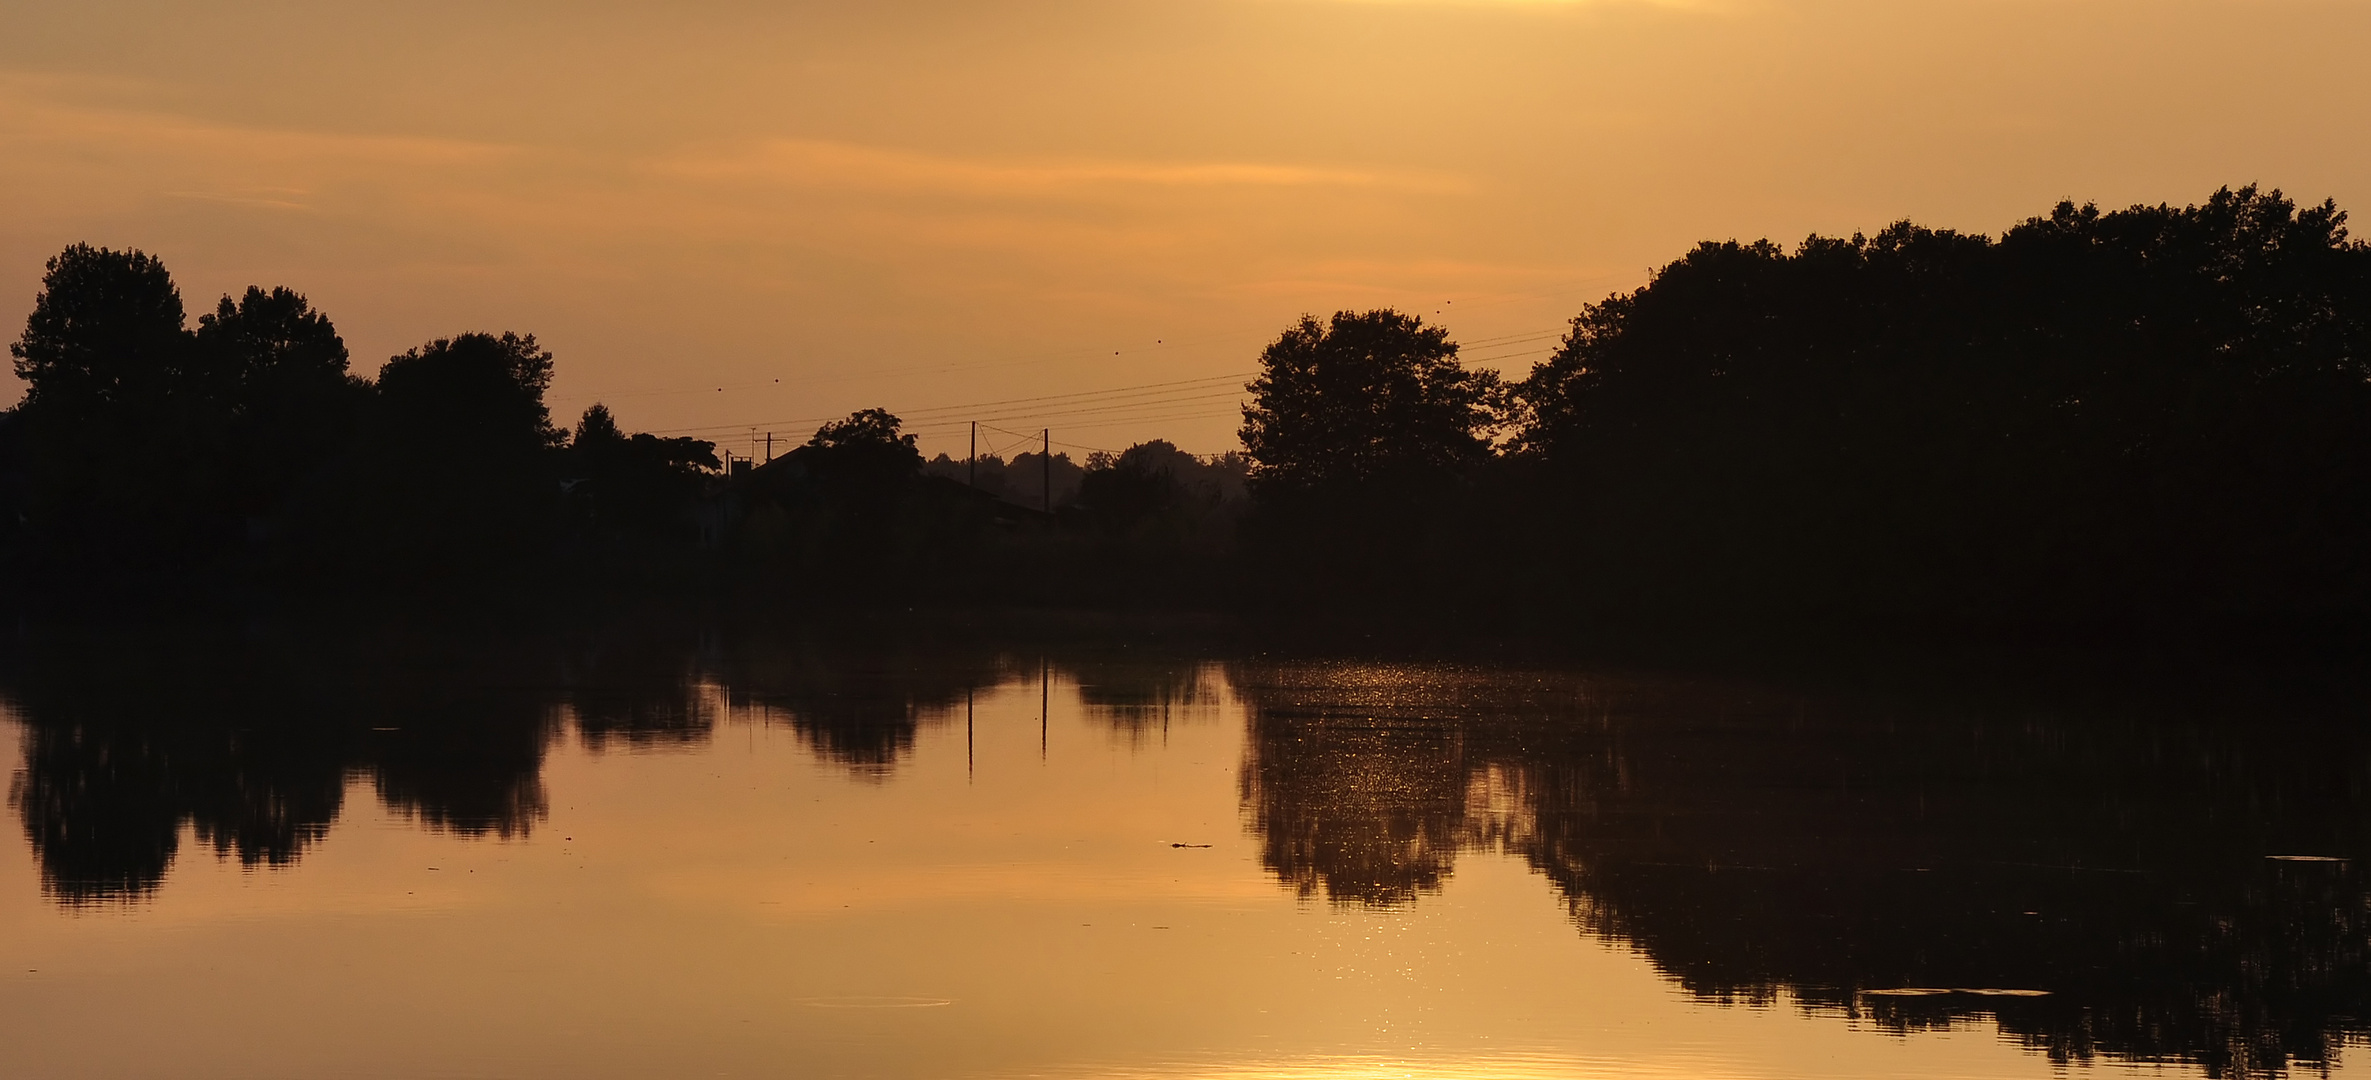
x=635, y=857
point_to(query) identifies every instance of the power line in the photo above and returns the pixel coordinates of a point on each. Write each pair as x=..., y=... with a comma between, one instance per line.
x=1509, y=339
x=1091, y=410
x=1094, y=393
x=1533, y=351
x=1476, y=343
x=1151, y=390
x=1141, y=403
x=931, y=369
x=951, y=418
x=1129, y=421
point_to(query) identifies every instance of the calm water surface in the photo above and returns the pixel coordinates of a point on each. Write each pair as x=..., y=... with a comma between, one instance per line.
x=640, y=857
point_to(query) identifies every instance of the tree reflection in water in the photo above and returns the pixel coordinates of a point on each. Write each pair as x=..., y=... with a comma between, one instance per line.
x=1907, y=866
x=1905, y=863
x=856, y=699
x=250, y=743
x=1138, y=696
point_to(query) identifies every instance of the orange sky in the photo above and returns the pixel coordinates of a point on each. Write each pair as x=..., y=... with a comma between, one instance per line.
x=925, y=204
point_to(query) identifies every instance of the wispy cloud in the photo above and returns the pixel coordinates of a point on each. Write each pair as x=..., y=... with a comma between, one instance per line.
x=40, y=110
x=268, y=198
x=1541, y=5
x=812, y=163
x=67, y=150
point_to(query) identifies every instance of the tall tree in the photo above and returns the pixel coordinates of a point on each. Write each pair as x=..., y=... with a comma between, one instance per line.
x=459, y=472
x=106, y=330
x=266, y=346
x=1369, y=396
x=280, y=369
x=474, y=395
x=122, y=447
x=597, y=428
x=1365, y=434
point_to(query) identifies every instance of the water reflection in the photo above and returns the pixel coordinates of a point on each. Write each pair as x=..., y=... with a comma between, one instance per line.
x=1140, y=694
x=250, y=744
x=855, y=700
x=2100, y=881
x=630, y=692
x=2100, y=884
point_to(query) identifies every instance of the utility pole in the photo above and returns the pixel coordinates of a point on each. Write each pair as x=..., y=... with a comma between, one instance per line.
x=769, y=446
x=972, y=462
x=1045, y=457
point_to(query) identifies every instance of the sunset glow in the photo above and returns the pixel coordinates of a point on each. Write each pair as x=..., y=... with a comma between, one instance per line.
x=730, y=216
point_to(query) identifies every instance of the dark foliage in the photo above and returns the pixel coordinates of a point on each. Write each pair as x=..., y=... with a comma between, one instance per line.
x=638, y=494
x=280, y=367
x=2157, y=417
x=454, y=476
x=1156, y=497
x=864, y=451
x=850, y=518
x=151, y=459
x=121, y=444
x=1371, y=398
x=106, y=331
x=2154, y=413
x=1366, y=439
x=148, y=453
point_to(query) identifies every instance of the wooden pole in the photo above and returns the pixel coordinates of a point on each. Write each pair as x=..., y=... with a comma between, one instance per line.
x=973, y=480
x=1045, y=457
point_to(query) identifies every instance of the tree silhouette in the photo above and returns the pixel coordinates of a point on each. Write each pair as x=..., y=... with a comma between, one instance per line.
x=2144, y=414
x=641, y=489
x=106, y=331
x=867, y=447
x=267, y=346
x=1160, y=500
x=456, y=474
x=280, y=368
x=2148, y=417
x=1364, y=436
x=123, y=444
x=475, y=394
x=1369, y=397
x=597, y=427
x=152, y=455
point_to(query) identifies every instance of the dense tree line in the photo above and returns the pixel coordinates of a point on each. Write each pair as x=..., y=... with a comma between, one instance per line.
x=2154, y=412
x=2151, y=415
x=243, y=458
x=148, y=455
x=2157, y=413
